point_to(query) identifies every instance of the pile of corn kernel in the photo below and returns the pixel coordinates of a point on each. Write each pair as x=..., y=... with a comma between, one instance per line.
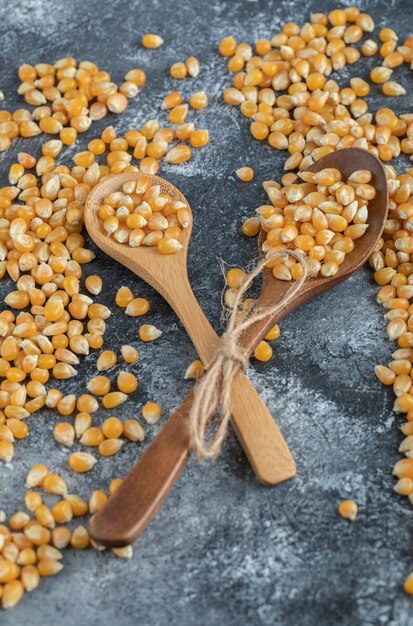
x=316, y=116
x=140, y=214
x=313, y=117
x=54, y=317
x=322, y=217
x=68, y=96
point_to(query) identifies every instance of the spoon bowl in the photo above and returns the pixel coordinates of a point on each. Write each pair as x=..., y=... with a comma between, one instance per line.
x=151, y=265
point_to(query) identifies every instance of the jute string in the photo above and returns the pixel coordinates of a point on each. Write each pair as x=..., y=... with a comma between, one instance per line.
x=212, y=393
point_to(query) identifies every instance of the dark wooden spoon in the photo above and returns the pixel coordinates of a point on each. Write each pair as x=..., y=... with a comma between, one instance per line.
x=132, y=507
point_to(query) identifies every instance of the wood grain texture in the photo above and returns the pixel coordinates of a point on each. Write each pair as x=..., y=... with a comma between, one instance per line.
x=260, y=437
x=141, y=494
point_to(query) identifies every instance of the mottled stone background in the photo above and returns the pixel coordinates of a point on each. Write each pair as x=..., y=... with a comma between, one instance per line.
x=224, y=550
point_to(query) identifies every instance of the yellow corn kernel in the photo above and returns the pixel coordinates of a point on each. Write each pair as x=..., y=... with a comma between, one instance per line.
x=192, y=66
x=124, y=553
x=178, y=70
x=152, y=41
x=169, y=245
x=27, y=556
x=117, y=103
x=408, y=585
x=36, y=475
x=245, y=174
x=62, y=512
x=151, y=412
x=52, y=483
x=385, y=374
x=44, y=516
x=179, y=154
x=49, y=567
x=127, y=382
x=198, y=100
x=403, y=468
x=251, y=226
x=112, y=428
x=32, y=500
x=66, y=405
x=380, y=74
x=84, y=159
x=5, y=142
x=19, y=429
x=68, y=136
x=123, y=297
x=18, y=520
x=79, y=506
x=235, y=278
x=194, y=371
x=178, y=114
x=148, y=332
x=49, y=552
x=99, y=385
x=404, y=487
x=226, y=47
x=392, y=88
x=183, y=132
x=61, y=537
x=273, y=333
x=263, y=351
x=172, y=100
x=63, y=371
x=92, y=436
x=113, y=399
x=82, y=422
x=106, y=360
x=6, y=450
x=81, y=462
x=80, y=539
x=30, y=577
x=114, y=485
x=109, y=447
x=133, y=431
x=369, y=48
x=13, y=592
x=129, y=354
x=137, y=76
x=79, y=344
x=94, y=340
x=137, y=307
x=8, y=571
x=129, y=89
x=97, y=501
x=259, y=130
x=348, y=509
x=87, y=404
x=36, y=533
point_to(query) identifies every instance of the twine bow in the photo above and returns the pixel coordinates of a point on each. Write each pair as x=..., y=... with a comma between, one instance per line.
x=213, y=391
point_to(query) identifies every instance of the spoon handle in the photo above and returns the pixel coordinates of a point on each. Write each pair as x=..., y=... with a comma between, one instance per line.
x=135, y=503
x=141, y=494
x=255, y=427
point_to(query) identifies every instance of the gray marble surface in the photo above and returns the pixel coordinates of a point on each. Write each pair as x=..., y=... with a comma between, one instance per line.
x=224, y=550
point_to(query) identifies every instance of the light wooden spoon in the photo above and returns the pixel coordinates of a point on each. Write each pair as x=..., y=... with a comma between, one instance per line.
x=259, y=435
x=129, y=511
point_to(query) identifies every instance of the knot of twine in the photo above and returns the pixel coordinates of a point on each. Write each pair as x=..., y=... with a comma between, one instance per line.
x=212, y=393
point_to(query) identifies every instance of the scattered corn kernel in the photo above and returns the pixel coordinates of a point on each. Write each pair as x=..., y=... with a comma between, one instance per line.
x=151, y=412
x=348, y=509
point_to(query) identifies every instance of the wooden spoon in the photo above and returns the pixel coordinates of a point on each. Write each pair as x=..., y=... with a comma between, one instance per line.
x=257, y=431
x=141, y=494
